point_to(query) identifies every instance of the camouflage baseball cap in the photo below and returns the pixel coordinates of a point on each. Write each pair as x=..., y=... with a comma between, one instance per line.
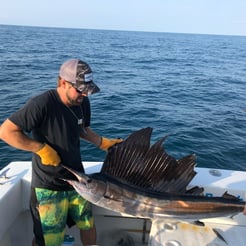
x=79, y=74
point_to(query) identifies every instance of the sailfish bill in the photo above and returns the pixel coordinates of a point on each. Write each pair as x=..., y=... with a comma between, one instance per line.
x=142, y=180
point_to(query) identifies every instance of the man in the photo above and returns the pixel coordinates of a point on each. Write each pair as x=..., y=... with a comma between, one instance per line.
x=57, y=119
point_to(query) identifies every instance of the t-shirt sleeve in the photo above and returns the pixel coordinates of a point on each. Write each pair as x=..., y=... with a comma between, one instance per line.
x=29, y=116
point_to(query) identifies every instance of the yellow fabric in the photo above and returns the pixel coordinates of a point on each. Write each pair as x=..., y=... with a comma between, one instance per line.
x=49, y=156
x=107, y=143
x=53, y=208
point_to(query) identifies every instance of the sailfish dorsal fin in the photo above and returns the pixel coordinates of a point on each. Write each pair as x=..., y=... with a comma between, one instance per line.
x=138, y=163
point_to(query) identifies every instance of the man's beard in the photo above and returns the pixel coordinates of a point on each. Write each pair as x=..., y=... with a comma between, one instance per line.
x=73, y=102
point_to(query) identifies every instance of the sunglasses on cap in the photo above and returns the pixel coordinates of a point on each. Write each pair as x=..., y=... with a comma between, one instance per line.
x=86, y=88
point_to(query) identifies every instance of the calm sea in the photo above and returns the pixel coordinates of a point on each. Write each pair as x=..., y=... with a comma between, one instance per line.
x=190, y=87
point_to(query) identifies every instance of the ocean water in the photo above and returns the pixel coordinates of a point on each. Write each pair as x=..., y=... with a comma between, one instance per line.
x=187, y=86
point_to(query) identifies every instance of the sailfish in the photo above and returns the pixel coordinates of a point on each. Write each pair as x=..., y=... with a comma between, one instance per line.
x=143, y=180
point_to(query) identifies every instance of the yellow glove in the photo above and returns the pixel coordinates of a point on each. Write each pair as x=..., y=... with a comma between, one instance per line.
x=107, y=143
x=48, y=156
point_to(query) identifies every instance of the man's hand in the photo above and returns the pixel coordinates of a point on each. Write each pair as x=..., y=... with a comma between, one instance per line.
x=48, y=156
x=106, y=143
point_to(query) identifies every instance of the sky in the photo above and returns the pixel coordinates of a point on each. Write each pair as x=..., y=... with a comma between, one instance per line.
x=223, y=17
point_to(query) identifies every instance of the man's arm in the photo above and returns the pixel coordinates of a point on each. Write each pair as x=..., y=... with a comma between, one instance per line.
x=91, y=136
x=101, y=142
x=14, y=136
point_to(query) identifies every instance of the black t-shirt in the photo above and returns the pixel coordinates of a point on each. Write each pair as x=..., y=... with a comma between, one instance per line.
x=51, y=122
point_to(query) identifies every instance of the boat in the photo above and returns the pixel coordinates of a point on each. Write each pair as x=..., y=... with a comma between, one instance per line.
x=121, y=229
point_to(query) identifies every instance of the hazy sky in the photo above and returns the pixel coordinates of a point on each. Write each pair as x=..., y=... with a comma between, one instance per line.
x=183, y=16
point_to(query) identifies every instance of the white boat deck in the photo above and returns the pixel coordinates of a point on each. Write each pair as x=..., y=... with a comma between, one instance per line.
x=16, y=225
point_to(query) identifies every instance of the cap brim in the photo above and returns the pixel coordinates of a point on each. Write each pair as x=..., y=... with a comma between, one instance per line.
x=88, y=87
x=92, y=88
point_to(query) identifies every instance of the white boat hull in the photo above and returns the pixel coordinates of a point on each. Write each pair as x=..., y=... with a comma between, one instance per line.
x=112, y=227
